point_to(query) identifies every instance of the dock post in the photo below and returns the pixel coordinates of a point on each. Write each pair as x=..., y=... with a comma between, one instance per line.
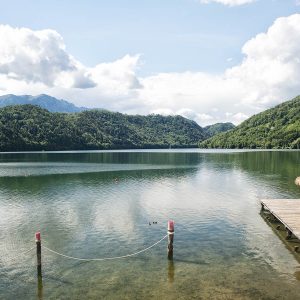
x=170, y=239
x=288, y=234
x=38, y=253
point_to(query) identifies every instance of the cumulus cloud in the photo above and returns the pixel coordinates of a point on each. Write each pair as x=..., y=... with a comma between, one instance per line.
x=228, y=2
x=33, y=62
x=40, y=57
x=33, y=56
x=268, y=75
x=118, y=76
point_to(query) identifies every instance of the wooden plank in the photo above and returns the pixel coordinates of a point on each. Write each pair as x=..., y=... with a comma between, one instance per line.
x=287, y=211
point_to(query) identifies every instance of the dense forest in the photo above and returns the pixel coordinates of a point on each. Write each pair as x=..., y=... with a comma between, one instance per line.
x=29, y=128
x=278, y=127
x=32, y=128
x=214, y=129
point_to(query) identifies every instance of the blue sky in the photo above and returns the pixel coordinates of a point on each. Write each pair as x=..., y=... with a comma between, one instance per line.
x=172, y=35
x=158, y=39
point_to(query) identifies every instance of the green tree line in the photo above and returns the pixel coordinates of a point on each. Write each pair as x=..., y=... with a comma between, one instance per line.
x=275, y=128
x=31, y=128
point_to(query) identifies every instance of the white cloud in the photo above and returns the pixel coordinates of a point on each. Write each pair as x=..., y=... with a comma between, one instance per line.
x=33, y=62
x=118, y=76
x=228, y=2
x=39, y=57
x=268, y=75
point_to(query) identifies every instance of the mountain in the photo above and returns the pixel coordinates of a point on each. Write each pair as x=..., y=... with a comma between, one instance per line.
x=214, y=129
x=50, y=103
x=278, y=127
x=29, y=127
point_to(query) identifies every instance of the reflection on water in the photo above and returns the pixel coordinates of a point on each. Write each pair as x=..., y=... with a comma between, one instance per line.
x=101, y=204
x=40, y=287
x=171, y=270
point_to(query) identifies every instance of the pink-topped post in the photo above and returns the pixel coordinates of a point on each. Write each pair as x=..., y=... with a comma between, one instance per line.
x=38, y=253
x=170, y=238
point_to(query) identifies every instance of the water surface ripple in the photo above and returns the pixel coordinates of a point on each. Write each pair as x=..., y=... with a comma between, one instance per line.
x=103, y=204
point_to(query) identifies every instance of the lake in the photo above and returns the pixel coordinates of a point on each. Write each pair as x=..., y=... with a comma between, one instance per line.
x=103, y=204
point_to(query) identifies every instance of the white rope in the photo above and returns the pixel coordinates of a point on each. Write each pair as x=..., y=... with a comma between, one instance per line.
x=23, y=253
x=105, y=258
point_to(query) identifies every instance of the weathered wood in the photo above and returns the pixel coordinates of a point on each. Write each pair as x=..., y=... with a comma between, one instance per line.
x=170, y=239
x=287, y=211
x=38, y=253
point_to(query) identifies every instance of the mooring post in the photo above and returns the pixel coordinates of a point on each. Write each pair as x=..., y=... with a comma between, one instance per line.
x=38, y=253
x=170, y=239
x=288, y=234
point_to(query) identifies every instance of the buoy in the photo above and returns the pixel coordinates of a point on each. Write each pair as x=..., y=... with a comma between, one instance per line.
x=297, y=181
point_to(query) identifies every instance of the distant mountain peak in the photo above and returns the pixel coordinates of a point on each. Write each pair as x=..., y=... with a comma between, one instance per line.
x=43, y=100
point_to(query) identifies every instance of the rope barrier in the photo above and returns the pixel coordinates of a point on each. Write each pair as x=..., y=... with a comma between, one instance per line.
x=21, y=254
x=105, y=258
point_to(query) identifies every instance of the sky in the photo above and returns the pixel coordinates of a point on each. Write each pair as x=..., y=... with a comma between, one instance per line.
x=207, y=60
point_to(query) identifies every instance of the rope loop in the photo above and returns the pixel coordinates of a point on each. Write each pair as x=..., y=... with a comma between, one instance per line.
x=104, y=258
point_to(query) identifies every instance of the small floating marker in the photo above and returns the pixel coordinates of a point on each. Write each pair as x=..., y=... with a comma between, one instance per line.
x=170, y=239
x=297, y=181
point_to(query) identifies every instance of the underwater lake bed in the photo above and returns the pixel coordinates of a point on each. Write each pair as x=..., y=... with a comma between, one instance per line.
x=96, y=204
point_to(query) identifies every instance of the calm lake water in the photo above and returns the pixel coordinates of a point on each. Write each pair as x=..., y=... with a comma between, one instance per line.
x=99, y=204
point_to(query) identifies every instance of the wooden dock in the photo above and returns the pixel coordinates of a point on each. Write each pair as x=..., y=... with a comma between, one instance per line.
x=287, y=211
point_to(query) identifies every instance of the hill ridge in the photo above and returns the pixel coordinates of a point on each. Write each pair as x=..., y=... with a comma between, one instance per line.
x=43, y=100
x=276, y=127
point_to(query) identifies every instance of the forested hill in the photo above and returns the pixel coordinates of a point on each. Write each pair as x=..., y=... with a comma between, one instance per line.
x=214, y=129
x=278, y=127
x=29, y=127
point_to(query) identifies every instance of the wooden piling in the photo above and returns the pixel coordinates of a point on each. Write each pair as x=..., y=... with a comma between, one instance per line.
x=38, y=253
x=288, y=234
x=170, y=239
